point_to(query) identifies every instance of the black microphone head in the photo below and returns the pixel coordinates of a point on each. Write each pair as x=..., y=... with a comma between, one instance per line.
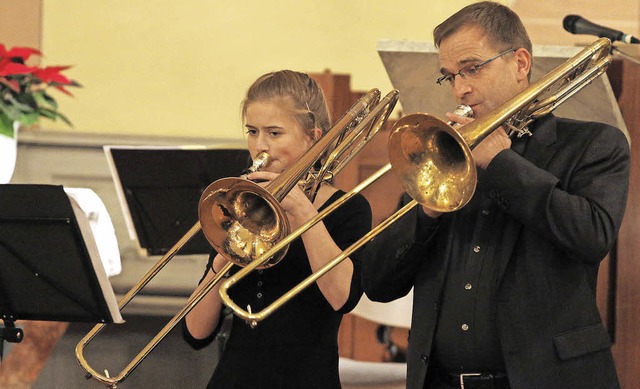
x=569, y=23
x=578, y=25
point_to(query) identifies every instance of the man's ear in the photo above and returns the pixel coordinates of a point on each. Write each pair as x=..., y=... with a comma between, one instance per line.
x=524, y=62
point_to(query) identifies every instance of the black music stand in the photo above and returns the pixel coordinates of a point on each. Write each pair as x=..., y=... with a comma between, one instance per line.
x=50, y=268
x=159, y=189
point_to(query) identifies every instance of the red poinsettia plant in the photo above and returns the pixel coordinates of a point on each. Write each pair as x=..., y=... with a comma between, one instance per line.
x=24, y=96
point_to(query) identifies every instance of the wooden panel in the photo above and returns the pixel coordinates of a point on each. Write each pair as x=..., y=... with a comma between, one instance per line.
x=25, y=361
x=21, y=23
x=382, y=196
x=625, y=77
x=357, y=338
x=337, y=92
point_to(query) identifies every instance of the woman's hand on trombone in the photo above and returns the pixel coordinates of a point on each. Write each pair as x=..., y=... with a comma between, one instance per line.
x=296, y=204
x=319, y=245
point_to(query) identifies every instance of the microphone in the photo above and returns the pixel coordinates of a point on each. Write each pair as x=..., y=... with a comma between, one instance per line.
x=578, y=25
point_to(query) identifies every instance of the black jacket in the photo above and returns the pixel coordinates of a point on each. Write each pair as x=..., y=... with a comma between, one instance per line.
x=565, y=199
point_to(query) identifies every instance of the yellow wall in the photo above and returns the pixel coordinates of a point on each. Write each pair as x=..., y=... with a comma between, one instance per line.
x=160, y=67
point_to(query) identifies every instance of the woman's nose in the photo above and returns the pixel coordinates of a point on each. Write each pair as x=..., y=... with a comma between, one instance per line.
x=262, y=143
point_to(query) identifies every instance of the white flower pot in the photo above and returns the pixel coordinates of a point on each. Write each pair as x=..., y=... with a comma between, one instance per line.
x=8, y=153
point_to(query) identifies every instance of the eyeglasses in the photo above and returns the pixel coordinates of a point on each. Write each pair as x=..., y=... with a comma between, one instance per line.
x=469, y=70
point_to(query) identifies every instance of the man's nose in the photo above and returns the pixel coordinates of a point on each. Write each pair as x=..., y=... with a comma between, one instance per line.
x=461, y=87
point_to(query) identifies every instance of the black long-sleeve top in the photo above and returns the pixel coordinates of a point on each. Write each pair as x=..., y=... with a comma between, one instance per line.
x=295, y=347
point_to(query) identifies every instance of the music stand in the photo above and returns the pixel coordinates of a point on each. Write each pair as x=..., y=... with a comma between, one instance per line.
x=159, y=189
x=50, y=268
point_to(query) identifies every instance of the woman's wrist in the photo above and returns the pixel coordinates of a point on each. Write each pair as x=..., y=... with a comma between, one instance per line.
x=215, y=272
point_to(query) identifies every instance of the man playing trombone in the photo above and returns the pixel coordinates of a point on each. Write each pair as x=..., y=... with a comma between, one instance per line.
x=504, y=288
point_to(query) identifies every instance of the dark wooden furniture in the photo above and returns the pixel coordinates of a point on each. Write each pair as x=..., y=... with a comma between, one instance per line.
x=624, y=279
x=358, y=336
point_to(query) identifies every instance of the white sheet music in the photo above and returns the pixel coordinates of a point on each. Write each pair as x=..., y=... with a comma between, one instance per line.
x=396, y=313
x=101, y=227
x=94, y=254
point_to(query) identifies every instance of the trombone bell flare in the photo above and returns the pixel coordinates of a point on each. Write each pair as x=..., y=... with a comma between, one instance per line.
x=242, y=220
x=433, y=162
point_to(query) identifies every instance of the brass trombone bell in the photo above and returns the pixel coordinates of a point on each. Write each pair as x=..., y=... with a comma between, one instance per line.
x=433, y=162
x=445, y=179
x=242, y=220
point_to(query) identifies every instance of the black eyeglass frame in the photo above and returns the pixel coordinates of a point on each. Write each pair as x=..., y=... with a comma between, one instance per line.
x=473, y=69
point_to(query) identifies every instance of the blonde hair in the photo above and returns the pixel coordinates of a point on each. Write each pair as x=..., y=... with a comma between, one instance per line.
x=296, y=92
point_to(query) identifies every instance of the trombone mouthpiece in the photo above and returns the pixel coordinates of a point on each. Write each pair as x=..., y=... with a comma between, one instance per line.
x=259, y=162
x=461, y=110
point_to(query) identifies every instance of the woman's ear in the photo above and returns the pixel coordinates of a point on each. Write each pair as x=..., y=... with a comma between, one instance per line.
x=317, y=134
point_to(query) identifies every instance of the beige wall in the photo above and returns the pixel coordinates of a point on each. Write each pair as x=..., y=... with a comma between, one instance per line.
x=180, y=68
x=543, y=18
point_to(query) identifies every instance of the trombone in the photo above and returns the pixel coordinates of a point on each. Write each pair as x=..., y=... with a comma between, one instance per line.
x=434, y=161
x=242, y=220
x=265, y=221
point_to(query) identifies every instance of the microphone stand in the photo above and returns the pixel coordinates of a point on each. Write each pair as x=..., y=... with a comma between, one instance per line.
x=9, y=333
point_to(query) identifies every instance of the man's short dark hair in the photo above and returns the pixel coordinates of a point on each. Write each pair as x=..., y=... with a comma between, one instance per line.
x=501, y=24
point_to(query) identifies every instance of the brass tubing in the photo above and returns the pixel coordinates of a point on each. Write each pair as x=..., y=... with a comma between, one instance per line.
x=79, y=350
x=191, y=303
x=474, y=132
x=280, y=189
x=241, y=219
x=457, y=174
x=254, y=318
x=546, y=106
x=282, y=184
x=371, y=125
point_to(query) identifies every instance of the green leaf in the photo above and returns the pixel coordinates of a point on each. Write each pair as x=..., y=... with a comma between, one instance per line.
x=20, y=106
x=64, y=119
x=53, y=115
x=49, y=101
x=6, y=125
x=29, y=118
x=48, y=113
x=27, y=99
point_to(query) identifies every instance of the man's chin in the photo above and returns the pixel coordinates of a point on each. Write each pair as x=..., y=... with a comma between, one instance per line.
x=478, y=112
